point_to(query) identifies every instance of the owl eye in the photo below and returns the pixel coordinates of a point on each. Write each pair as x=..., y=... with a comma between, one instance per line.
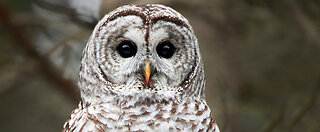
x=127, y=49
x=165, y=49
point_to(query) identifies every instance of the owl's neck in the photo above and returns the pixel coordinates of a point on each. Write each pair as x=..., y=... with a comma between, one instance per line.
x=134, y=97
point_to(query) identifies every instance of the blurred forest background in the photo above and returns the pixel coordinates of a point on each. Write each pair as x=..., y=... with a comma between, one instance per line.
x=262, y=60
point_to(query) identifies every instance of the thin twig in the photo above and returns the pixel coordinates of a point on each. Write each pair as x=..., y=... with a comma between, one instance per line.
x=306, y=24
x=305, y=107
x=274, y=121
x=64, y=42
x=24, y=41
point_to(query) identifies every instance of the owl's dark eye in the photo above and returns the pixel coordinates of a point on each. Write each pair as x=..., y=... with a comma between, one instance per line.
x=165, y=49
x=127, y=49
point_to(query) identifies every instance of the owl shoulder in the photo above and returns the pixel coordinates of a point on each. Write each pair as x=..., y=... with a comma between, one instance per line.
x=212, y=124
x=92, y=118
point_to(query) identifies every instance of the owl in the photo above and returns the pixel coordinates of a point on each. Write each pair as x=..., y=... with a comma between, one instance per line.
x=141, y=70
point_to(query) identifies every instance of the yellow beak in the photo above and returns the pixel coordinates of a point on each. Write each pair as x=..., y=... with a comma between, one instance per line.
x=147, y=71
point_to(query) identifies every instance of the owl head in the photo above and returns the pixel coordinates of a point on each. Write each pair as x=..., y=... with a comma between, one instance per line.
x=148, y=51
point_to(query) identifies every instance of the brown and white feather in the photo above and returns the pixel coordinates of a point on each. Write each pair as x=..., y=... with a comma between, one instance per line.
x=115, y=97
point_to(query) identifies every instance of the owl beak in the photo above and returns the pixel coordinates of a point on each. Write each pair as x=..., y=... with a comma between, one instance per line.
x=147, y=71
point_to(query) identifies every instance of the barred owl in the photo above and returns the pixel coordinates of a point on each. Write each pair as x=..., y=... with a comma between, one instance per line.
x=141, y=70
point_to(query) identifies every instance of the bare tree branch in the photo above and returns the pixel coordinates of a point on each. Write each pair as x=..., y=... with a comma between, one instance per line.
x=306, y=24
x=304, y=108
x=64, y=42
x=66, y=11
x=24, y=41
x=274, y=121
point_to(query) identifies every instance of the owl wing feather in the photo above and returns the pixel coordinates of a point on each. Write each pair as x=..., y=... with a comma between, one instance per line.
x=102, y=117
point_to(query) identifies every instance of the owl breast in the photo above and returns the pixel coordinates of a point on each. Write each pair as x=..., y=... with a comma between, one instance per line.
x=169, y=116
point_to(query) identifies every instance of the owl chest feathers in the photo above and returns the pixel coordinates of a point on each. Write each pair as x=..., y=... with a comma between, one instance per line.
x=169, y=116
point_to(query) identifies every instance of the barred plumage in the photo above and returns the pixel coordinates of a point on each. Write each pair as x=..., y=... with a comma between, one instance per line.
x=155, y=83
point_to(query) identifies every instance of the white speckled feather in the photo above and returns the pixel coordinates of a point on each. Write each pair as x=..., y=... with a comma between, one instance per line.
x=150, y=90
